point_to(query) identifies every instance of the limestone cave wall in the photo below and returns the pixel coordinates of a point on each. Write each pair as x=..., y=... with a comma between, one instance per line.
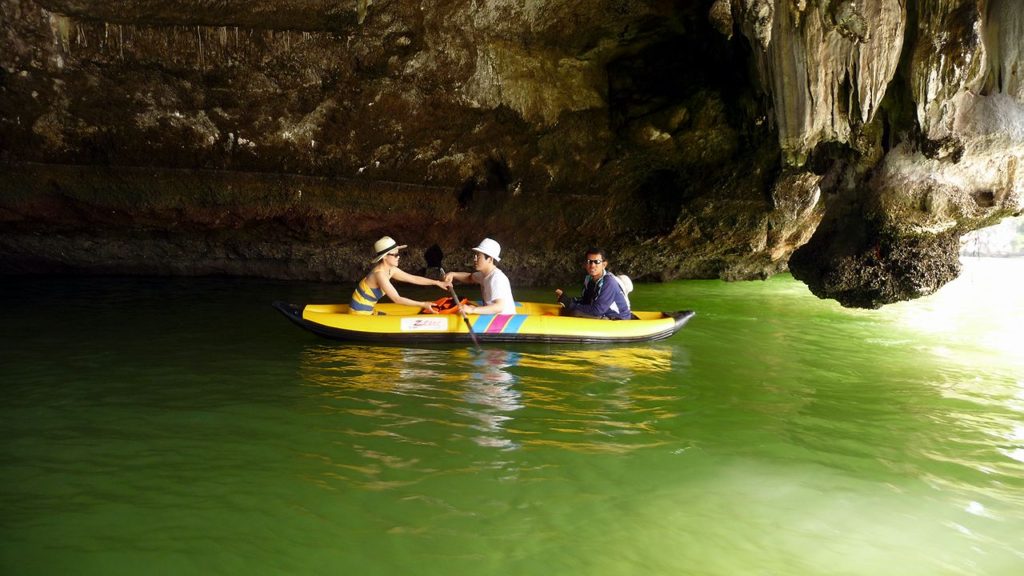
x=850, y=141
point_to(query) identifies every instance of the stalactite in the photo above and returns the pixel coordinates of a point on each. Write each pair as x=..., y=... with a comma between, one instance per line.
x=199, y=39
x=362, y=7
x=61, y=25
x=948, y=64
x=1004, y=41
x=810, y=55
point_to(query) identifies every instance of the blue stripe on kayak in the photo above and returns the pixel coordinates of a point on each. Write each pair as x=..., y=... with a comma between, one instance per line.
x=515, y=323
x=482, y=322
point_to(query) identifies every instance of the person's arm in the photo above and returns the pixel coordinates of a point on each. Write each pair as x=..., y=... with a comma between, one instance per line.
x=464, y=277
x=402, y=276
x=622, y=302
x=570, y=302
x=602, y=304
x=390, y=292
x=470, y=278
x=500, y=291
x=493, y=308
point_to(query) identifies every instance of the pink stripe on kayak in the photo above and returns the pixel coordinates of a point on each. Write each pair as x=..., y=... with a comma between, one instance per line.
x=498, y=324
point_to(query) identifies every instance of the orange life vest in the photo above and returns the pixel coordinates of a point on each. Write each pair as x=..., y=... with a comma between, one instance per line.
x=447, y=305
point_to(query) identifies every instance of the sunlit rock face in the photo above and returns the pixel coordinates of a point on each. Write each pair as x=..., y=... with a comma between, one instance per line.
x=826, y=65
x=853, y=141
x=952, y=150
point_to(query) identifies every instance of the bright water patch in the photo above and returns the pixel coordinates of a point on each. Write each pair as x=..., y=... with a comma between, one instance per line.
x=183, y=426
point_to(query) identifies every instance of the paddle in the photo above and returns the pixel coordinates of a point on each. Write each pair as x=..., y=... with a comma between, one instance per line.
x=462, y=312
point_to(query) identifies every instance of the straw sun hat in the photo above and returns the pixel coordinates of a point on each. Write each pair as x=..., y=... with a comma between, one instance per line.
x=383, y=246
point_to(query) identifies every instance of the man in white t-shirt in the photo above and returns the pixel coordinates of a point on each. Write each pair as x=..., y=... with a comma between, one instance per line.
x=494, y=285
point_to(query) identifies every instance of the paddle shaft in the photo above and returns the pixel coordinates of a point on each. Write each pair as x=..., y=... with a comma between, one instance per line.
x=463, y=314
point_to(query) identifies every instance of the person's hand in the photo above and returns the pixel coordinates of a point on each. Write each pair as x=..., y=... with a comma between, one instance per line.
x=467, y=308
x=428, y=307
x=444, y=284
x=448, y=278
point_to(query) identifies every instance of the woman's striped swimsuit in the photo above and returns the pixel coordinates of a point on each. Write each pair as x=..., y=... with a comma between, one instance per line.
x=364, y=298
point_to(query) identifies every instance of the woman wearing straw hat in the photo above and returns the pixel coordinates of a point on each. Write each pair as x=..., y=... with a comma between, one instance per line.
x=377, y=283
x=495, y=289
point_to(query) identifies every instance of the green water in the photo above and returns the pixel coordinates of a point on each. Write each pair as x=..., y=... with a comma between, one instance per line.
x=154, y=426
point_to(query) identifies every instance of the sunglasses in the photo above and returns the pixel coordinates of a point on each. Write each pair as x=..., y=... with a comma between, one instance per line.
x=594, y=262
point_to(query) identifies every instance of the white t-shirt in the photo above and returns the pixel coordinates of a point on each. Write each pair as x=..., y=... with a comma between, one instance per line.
x=495, y=286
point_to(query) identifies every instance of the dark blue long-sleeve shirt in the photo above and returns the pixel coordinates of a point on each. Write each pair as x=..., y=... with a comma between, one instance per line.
x=598, y=297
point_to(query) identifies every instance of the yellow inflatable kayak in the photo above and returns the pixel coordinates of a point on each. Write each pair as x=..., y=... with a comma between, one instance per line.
x=532, y=322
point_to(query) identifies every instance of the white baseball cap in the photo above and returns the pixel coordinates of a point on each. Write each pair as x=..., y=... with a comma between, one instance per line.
x=490, y=248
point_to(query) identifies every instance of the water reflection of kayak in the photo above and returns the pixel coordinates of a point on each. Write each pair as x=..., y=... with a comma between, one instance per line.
x=622, y=360
x=533, y=322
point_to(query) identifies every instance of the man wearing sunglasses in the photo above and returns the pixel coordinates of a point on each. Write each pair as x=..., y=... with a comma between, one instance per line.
x=603, y=295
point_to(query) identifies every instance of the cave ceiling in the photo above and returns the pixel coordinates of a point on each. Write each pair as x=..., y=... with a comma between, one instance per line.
x=849, y=142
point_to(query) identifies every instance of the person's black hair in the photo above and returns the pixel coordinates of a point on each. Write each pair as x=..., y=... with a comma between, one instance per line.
x=599, y=251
